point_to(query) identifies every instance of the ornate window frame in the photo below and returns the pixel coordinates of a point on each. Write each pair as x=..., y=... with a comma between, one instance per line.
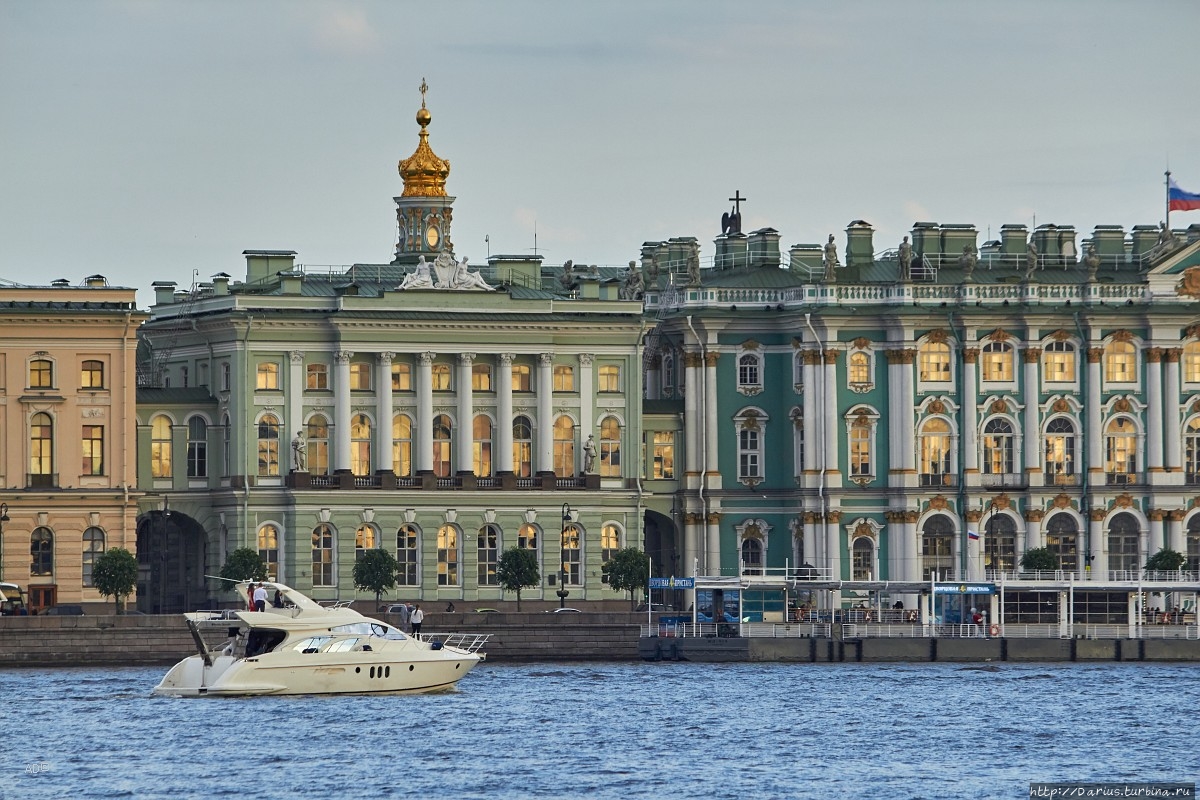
x=862, y=426
x=750, y=368
x=860, y=366
x=750, y=426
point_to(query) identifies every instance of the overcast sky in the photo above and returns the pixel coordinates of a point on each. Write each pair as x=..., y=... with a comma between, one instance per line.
x=144, y=140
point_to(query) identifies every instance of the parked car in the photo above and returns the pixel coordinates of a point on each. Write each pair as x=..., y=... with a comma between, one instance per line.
x=392, y=608
x=563, y=611
x=64, y=611
x=487, y=611
x=644, y=607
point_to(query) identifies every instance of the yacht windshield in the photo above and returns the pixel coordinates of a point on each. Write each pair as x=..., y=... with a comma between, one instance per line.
x=379, y=629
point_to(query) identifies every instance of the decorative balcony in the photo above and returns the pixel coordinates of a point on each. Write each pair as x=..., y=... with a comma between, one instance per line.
x=938, y=479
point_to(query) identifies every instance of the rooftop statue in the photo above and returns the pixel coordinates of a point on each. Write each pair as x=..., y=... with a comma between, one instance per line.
x=906, y=256
x=419, y=278
x=1031, y=260
x=1092, y=262
x=967, y=261
x=633, y=288
x=693, y=268
x=566, y=278
x=453, y=274
x=831, y=259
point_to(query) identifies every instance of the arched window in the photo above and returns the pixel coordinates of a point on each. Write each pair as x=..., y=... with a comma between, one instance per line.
x=447, y=548
x=407, y=553
x=1120, y=362
x=861, y=422
x=1120, y=451
x=93, y=548
x=610, y=448
x=933, y=361
x=564, y=378
x=197, y=448
x=668, y=376
x=858, y=369
x=318, y=445
x=402, y=445
x=1000, y=543
x=572, y=555
x=998, y=441
x=521, y=378
x=1191, y=450
x=488, y=551
x=1061, y=458
x=522, y=455
x=996, y=362
x=1191, y=362
x=364, y=540
x=750, y=427
x=1058, y=362
x=41, y=374
x=481, y=446
x=610, y=542
x=443, y=464
x=160, y=447
x=862, y=559
x=91, y=375
x=934, y=452
x=564, y=447
x=441, y=374
x=41, y=548
x=1123, y=545
x=268, y=445
x=360, y=444
x=749, y=371
x=527, y=537
x=937, y=548
x=752, y=555
x=268, y=550
x=322, y=555
x=1062, y=537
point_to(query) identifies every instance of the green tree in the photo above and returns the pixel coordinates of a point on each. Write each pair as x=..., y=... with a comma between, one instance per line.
x=115, y=574
x=517, y=569
x=1166, y=560
x=376, y=572
x=244, y=564
x=628, y=571
x=1039, y=558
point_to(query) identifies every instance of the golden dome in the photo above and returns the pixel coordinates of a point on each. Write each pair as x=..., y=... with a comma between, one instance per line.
x=424, y=174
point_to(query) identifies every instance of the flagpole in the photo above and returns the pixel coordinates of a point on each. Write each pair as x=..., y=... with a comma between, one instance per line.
x=1168, y=223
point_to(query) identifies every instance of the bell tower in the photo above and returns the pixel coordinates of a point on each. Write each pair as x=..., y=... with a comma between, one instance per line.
x=423, y=210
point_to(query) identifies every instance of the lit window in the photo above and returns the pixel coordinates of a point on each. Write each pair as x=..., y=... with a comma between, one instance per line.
x=564, y=378
x=663, y=465
x=1120, y=363
x=572, y=555
x=364, y=540
x=934, y=452
x=859, y=368
x=861, y=423
x=407, y=552
x=268, y=376
x=93, y=548
x=527, y=538
x=1058, y=362
x=360, y=376
x=197, y=448
x=996, y=362
x=610, y=542
x=360, y=444
x=160, y=447
x=750, y=426
x=481, y=446
x=41, y=374
x=488, y=552
x=401, y=377
x=441, y=377
x=998, y=444
x=322, y=555
x=268, y=445
x=447, y=556
x=317, y=377
x=1191, y=450
x=1060, y=451
x=522, y=456
x=402, y=445
x=268, y=549
x=934, y=362
x=564, y=447
x=1120, y=451
x=91, y=375
x=318, y=445
x=610, y=378
x=92, y=449
x=442, y=445
x=481, y=377
x=521, y=378
x=1191, y=362
x=610, y=448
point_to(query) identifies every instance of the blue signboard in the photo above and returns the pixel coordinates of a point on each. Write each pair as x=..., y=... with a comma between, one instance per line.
x=672, y=583
x=964, y=588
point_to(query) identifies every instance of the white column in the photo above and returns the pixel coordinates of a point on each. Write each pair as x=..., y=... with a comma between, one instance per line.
x=503, y=458
x=1175, y=539
x=295, y=402
x=1099, y=548
x=1154, y=410
x=587, y=396
x=691, y=421
x=713, y=536
x=545, y=407
x=1032, y=443
x=1157, y=540
x=912, y=547
x=711, y=430
x=907, y=418
x=341, y=410
x=810, y=541
x=466, y=415
x=812, y=420
x=970, y=412
x=691, y=543
x=833, y=549
x=654, y=378
x=895, y=393
x=424, y=438
x=1033, y=533
x=1172, y=435
x=1093, y=435
x=383, y=412
x=830, y=413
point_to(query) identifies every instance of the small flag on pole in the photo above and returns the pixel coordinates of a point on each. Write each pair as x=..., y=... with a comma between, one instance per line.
x=972, y=534
x=1179, y=200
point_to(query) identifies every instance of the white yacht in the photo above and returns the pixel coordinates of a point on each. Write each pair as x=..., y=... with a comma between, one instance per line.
x=302, y=647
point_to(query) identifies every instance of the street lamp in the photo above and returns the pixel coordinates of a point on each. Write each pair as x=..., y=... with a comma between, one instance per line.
x=562, y=561
x=3, y=519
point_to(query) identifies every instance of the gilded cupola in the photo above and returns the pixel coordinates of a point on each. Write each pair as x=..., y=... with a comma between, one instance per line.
x=424, y=174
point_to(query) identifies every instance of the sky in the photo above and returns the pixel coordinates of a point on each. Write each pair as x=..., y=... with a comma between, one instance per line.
x=148, y=140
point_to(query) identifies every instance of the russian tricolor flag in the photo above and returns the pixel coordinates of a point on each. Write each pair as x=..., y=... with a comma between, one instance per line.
x=972, y=534
x=1179, y=200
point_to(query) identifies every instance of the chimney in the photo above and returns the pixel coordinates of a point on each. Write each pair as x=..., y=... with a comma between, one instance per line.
x=95, y=281
x=221, y=283
x=763, y=247
x=164, y=292
x=262, y=265
x=860, y=251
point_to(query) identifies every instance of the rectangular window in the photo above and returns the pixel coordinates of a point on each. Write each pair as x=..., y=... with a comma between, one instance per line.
x=401, y=378
x=41, y=374
x=489, y=555
x=406, y=554
x=322, y=556
x=440, y=374
x=748, y=454
x=860, y=450
x=93, y=450
x=316, y=377
x=1058, y=363
x=564, y=378
x=225, y=376
x=663, y=466
x=91, y=376
x=521, y=378
x=360, y=377
x=268, y=376
x=934, y=362
x=481, y=377
x=610, y=378
x=447, y=567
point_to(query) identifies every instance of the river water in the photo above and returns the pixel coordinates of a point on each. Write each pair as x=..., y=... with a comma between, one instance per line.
x=613, y=730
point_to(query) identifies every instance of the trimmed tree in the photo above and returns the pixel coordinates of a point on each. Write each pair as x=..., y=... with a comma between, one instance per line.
x=115, y=574
x=1039, y=559
x=376, y=572
x=244, y=564
x=518, y=568
x=628, y=571
x=1166, y=560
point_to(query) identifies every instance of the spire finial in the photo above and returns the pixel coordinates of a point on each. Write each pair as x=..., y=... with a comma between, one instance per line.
x=424, y=88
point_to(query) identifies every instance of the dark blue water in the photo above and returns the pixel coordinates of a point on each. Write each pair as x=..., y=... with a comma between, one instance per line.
x=614, y=731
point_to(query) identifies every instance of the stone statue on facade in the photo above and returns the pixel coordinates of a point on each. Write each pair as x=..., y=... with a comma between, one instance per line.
x=831, y=259
x=1031, y=260
x=1092, y=262
x=589, y=454
x=652, y=272
x=906, y=257
x=967, y=262
x=299, y=453
x=462, y=278
x=693, y=268
x=566, y=278
x=420, y=278
x=632, y=289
